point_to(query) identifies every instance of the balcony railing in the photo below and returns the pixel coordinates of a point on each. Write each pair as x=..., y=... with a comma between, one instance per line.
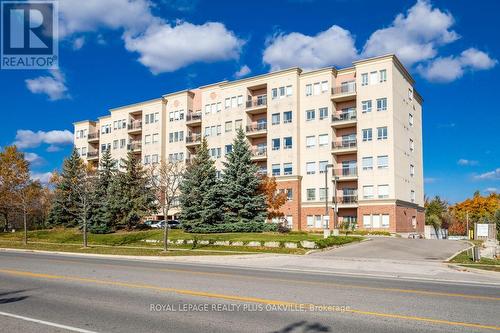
x=348, y=88
x=259, y=152
x=346, y=172
x=347, y=199
x=92, y=154
x=344, y=116
x=93, y=136
x=193, y=138
x=133, y=146
x=342, y=144
x=136, y=125
x=258, y=101
x=257, y=127
x=194, y=117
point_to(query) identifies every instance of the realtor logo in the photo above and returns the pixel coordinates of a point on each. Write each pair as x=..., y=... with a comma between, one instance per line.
x=29, y=35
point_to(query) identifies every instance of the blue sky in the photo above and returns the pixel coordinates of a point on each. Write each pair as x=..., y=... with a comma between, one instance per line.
x=117, y=52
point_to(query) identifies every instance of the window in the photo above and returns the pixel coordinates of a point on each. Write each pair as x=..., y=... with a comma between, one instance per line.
x=227, y=103
x=122, y=143
x=276, y=144
x=282, y=92
x=157, y=116
x=364, y=79
x=367, y=221
x=287, y=142
x=373, y=77
x=274, y=93
x=237, y=123
x=367, y=163
x=383, y=162
x=322, y=194
x=317, y=221
x=323, y=140
x=289, y=90
x=383, y=191
x=287, y=169
x=412, y=145
x=316, y=89
x=289, y=194
x=228, y=126
x=385, y=220
x=323, y=113
x=324, y=86
x=240, y=100
x=412, y=196
x=311, y=194
x=156, y=138
x=287, y=117
x=207, y=108
x=310, y=115
x=147, y=159
x=310, y=141
x=367, y=192
x=234, y=103
x=311, y=168
x=381, y=133
x=412, y=170
x=310, y=221
x=207, y=131
x=276, y=170
x=115, y=144
x=382, y=104
x=383, y=75
x=410, y=94
x=228, y=149
x=275, y=118
x=410, y=119
x=367, y=134
x=84, y=151
x=308, y=89
x=154, y=158
x=213, y=130
x=219, y=129
x=322, y=166
x=147, y=139
x=366, y=106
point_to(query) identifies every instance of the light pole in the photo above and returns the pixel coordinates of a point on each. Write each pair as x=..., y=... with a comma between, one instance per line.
x=326, y=231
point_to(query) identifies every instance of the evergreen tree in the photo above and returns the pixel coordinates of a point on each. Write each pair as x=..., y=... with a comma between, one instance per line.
x=100, y=219
x=130, y=195
x=200, y=196
x=243, y=200
x=65, y=208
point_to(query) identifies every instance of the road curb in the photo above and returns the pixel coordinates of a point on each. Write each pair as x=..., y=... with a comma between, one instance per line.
x=458, y=252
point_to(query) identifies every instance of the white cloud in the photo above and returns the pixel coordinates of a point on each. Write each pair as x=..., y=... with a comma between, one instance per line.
x=78, y=43
x=491, y=190
x=430, y=180
x=42, y=177
x=166, y=48
x=451, y=68
x=243, y=71
x=490, y=175
x=415, y=36
x=33, y=158
x=334, y=46
x=29, y=139
x=53, y=86
x=466, y=162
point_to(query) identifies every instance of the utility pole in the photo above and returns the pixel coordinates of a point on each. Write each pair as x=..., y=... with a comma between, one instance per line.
x=326, y=230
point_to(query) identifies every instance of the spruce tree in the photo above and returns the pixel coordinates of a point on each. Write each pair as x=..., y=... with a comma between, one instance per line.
x=101, y=221
x=131, y=196
x=243, y=199
x=200, y=197
x=65, y=208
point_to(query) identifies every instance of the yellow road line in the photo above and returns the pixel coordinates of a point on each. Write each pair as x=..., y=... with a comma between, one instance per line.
x=319, y=283
x=240, y=298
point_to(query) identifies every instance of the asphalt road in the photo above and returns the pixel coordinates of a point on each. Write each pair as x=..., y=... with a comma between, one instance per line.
x=399, y=249
x=55, y=293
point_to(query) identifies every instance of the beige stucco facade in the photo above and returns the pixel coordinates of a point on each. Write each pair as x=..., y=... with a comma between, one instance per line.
x=364, y=122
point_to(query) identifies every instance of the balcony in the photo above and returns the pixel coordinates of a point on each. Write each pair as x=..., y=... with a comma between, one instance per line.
x=256, y=130
x=344, y=92
x=93, y=137
x=134, y=146
x=193, y=140
x=257, y=105
x=344, y=119
x=344, y=147
x=135, y=127
x=92, y=155
x=344, y=174
x=193, y=119
x=346, y=201
x=259, y=154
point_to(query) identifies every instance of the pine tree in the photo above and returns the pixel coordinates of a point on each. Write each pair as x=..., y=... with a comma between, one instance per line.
x=243, y=200
x=100, y=220
x=200, y=196
x=131, y=197
x=65, y=207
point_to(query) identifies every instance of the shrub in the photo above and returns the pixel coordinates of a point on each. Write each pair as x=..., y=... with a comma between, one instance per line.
x=283, y=229
x=335, y=240
x=231, y=227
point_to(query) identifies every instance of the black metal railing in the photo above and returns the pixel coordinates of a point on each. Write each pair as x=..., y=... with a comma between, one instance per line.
x=257, y=101
x=344, y=144
x=344, y=116
x=136, y=125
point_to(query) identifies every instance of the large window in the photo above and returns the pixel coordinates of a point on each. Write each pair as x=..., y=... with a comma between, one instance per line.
x=322, y=166
x=287, y=142
x=381, y=133
x=156, y=138
x=383, y=161
x=287, y=169
x=310, y=115
x=385, y=221
x=382, y=104
x=229, y=126
x=383, y=191
x=373, y=77
x=323, y=113
x=367, y=134
x=383, y=75
x=367, y=163
x=311, y=194
x=368, y=192
x=364, y=79
x=310, y=141
x=276, y=170
x=367, y=221
x=323, y=140
x=366, y=106
x=228, y=149
x=311, y=168
x=275, y=118
x=276, y=144
x=287, y=117
x=308, y=89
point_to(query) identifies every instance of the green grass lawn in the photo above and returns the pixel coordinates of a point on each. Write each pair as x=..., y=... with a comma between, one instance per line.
x=123, y=242
x=465, y=259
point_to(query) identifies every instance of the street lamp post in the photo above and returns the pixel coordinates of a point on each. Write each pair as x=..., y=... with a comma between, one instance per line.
x=326, y=230
x=335, y=207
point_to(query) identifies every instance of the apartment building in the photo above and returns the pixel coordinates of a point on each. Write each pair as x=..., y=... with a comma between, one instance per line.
x=361, y=125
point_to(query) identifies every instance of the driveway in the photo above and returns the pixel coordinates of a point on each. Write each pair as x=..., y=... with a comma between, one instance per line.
x=398, y=249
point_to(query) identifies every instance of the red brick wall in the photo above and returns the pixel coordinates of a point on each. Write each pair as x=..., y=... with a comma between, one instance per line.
x=400, y=217
x=292, y=207
x=314, y=211
x=378, y=209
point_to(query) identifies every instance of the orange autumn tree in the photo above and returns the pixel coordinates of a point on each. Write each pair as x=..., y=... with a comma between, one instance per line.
x=274, y=199
x=481, y=209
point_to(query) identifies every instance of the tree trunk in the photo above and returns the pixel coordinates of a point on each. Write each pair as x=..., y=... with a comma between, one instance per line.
x=165, y=230
x=85, y=231
x=25, y=236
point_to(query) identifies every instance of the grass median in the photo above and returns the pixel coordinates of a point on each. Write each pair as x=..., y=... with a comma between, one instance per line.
x=465, y=259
